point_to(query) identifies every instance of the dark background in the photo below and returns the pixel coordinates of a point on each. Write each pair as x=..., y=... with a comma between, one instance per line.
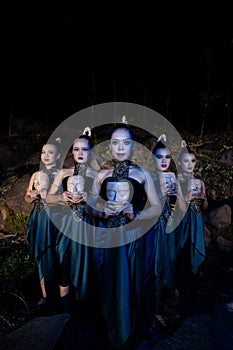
x=59, y=58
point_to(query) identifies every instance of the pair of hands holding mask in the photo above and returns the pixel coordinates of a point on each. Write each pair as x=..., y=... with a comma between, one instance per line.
x=118, y=194
x=75, y=190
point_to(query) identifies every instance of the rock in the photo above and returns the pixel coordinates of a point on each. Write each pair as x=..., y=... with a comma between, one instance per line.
x=15, y=197
x=5, y=212
x=224, y=245
x=7, y=156
x=219, y=218
x=207, y=237
x=38, y=334
x=204, y=332
x=227, y=157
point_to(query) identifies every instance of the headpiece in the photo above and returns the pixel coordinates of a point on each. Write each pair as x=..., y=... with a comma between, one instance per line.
x=183, y=143
x=87, y=131
x=58, y=139
x=162, y=137
x=124, y=120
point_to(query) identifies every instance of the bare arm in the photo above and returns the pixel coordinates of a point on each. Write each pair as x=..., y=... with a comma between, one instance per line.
x=155, y=207
x=180, y=203
x=93, y=197
x=31, y=195
x=53, y=196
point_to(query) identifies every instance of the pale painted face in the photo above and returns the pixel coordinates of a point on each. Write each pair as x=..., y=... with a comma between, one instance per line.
x=81, y=150
x=162, y=159
x=75, y=183
x=49, y=155
x=188, y=162
x=121, y=145
x=118, y=191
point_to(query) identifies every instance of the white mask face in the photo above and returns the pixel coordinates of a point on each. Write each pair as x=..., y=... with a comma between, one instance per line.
x=75, y=183
x=41, y=181
x=118, y=191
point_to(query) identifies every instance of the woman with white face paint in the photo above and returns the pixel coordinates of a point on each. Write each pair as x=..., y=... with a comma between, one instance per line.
x=160, y=241
x=41, y=233
x=123, y=188
x=69, y=191
x=190, y=238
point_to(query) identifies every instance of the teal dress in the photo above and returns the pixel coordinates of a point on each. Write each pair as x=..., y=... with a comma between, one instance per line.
x=190, y=237
x=41, y=235
x=165, y=258
x=122, y=270
x=163, y=249
x=190, y=248
x=74, y=246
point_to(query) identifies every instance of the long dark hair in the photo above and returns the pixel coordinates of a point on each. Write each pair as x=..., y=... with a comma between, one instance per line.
x=159, y=145
x=89, y=139
x=121, y=126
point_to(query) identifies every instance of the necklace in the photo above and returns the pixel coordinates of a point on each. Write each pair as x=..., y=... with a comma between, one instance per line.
x=120, y=170
x=50, y=171
x=187, y=175
x=80, y=169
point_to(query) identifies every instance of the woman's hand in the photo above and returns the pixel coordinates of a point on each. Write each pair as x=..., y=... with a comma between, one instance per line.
x=66, y=196
x=34, y=194
x=113, y=208
x=78, y=197
x=110, y=209
x=74, y=197
x=128, y=211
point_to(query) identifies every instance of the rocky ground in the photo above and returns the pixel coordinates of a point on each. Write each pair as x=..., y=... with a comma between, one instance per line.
x=204, y=321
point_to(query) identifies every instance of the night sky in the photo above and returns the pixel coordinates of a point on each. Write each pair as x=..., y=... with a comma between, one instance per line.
x=59, y=59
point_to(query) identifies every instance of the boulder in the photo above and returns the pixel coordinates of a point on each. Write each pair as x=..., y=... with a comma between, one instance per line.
x=219, y=218
x=40, y=333
x=15, y=197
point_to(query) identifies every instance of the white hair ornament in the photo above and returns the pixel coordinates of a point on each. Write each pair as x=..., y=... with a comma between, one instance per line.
x=58, y=139
x=183, y=143
x=162, y=137
x=87, y=131
x=124, y=120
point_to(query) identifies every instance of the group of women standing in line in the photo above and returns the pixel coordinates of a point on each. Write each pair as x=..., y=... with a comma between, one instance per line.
x=128, y=215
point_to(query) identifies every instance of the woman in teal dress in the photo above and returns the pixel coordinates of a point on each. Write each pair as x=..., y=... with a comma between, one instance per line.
x=73, y=245
x=123, y=189
x=190, y=247
x=160, y=241
x=41, y=232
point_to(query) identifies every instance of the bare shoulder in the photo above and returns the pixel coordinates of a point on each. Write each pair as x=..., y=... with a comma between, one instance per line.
x=65, y=172
x=33, y=177
x=61, y=174
x=91, y=172
x=36, y=173
x=102, y=174
x=139, y=173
